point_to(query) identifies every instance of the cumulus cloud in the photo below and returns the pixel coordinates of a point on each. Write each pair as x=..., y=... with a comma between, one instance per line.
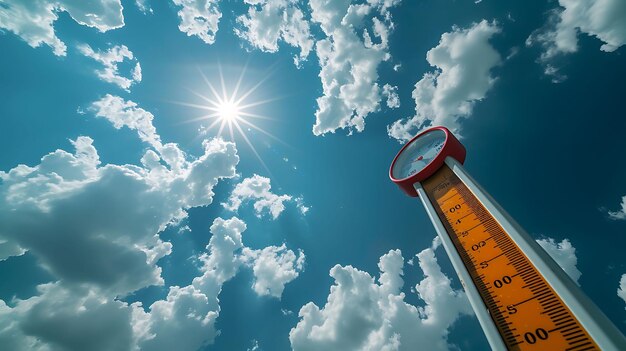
x=259, y=190
x=123, y=113
x=604, y=19
x=391, y=94
x=621, y=291
x=83, y=317
x=273, y=268
x=221, y=264
x=463, y=60
x=110, y=59
x=564, y=254
x=355, y=43
x=185, y=320
x=96, y=229
x=66, y=318
x=61, y=210
x=621, y=213
x=362, y=314
x=269, y=21
x=33, y=20
x=199, y=18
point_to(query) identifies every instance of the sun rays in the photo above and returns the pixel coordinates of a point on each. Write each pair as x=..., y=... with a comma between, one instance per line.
x=229, y=113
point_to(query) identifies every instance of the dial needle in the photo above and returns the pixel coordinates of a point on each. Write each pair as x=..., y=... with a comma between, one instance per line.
x=418, y=159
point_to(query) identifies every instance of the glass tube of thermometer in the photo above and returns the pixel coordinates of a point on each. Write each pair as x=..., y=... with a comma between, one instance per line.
x=522, y=298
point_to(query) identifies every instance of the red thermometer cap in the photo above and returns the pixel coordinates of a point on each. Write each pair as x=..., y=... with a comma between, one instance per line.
x=452, y=147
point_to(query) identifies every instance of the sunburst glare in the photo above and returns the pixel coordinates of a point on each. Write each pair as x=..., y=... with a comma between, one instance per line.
x=230, y=112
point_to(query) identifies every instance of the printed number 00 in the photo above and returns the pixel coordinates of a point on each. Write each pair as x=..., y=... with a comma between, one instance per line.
x=540, y=334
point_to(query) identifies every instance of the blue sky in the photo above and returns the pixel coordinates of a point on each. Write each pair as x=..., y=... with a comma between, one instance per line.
x=126, y=223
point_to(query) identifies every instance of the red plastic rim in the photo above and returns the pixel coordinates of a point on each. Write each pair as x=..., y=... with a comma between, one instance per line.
x=451, y=147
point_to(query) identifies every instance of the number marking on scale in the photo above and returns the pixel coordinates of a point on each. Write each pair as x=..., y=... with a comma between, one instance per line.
x=526, y=310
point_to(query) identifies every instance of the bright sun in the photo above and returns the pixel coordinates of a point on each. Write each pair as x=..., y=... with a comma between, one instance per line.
x=228, y=111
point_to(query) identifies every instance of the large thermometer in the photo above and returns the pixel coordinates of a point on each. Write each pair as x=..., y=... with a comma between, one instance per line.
x=522, y=298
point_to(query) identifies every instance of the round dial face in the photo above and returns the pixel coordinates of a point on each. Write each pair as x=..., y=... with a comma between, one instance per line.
x=418, y=154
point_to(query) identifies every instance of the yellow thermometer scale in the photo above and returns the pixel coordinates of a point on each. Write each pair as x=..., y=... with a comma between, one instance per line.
x=522, y=298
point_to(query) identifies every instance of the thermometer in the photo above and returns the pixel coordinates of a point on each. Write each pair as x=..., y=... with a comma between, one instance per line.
x=522, y=298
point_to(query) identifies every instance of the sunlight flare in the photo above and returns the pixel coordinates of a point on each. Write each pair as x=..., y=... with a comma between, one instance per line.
x=229, y=110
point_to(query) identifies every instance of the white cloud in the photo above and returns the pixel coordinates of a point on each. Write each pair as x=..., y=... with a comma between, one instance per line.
x=122, y=113
x=361, y=314
x=185, y=320
x=200, y=175
x=61, y=210
x=621, y=213
x=391, y=94
x=110, y=59
x=66, y=318
x=136, y=73
x=258, y=189
x=50, y=210
x=199, y=18
x=96, y=229
x=464, y=59
x=621, y=291
x=355, y=43
x=103, y=15
x=301, y=206
x=143, y=6
x=269, y=21
x=604, y=19
x=84, y=317
x=11, y=336
x=221, y=263
x=33, y=20
x=564, y=254
x=273, y=268
x=81, y=317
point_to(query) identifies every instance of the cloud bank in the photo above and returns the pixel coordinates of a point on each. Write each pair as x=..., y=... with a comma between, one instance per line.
x=96, y=228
